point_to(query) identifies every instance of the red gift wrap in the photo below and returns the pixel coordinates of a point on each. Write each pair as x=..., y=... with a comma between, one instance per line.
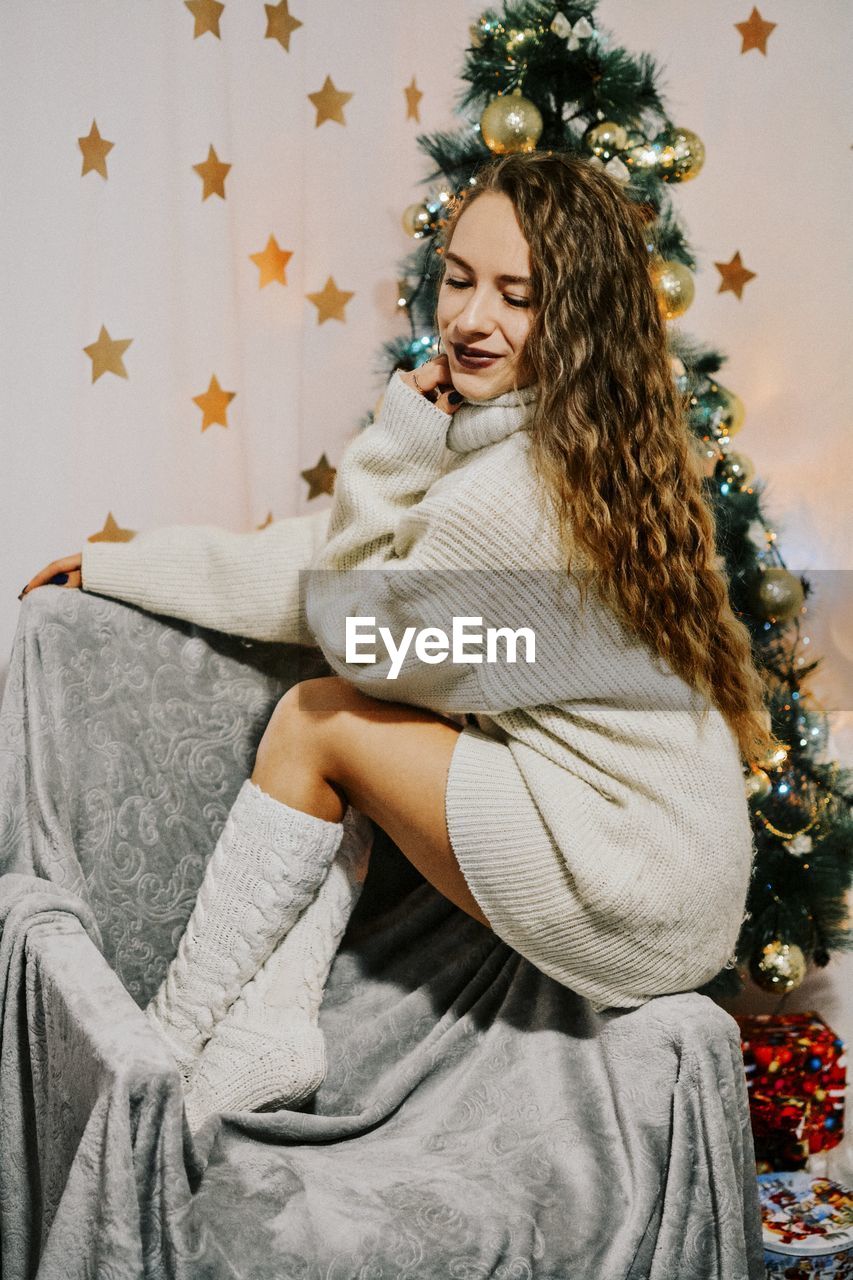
x=796, y=1073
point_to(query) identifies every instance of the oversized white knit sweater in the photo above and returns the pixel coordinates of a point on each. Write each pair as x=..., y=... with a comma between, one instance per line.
x=602, y=827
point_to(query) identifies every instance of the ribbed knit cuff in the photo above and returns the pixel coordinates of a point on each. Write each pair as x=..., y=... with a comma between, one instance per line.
x=416, y=424
x=106, y=569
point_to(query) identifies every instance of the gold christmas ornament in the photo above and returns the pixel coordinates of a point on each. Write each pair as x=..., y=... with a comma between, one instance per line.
x=674, y=285
x=779, y=966
x=758, y=785
x=639, y=154
x=778, y=595
x=680, y=154
x=511, y=123
x=607, y=139
x=416, y=219
x=735, y=470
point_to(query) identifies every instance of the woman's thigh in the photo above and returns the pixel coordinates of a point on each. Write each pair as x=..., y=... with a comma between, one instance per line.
x=390, y=760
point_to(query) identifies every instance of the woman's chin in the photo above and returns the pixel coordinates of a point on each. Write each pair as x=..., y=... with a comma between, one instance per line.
x=484, y=385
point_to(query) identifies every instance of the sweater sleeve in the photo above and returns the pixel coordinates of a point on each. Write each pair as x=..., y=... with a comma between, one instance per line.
x=405, y=554
x=245, y=584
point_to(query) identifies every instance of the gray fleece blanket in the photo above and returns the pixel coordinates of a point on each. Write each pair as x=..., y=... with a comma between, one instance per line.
x=477, y=1120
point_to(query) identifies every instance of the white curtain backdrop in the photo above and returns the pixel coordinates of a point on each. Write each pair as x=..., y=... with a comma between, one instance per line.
x=143, y=255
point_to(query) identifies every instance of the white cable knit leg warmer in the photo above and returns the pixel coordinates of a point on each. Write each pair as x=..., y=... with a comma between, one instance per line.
x=268, y=863
x=269, y=1049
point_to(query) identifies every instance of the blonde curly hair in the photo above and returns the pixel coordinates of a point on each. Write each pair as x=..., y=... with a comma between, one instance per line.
x=610, y=439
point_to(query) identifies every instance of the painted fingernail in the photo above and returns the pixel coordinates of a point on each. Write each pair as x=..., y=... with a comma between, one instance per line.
x=454, y=396
x=59, y=578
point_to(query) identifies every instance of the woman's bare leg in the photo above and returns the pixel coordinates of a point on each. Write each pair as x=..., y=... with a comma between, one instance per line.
x=327, y=744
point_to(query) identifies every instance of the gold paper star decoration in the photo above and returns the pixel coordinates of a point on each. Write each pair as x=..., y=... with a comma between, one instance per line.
x=755, y=32
x=280, y=24
x=735, y=275
x=207, y=14
x=321, y=478
x=112, y=532
x=214, y=404
x=330, y=302
x=329, y=102
x=95, y=151
x=272, y=262
x=106, y=355
x=213, y=173
x=413, y=97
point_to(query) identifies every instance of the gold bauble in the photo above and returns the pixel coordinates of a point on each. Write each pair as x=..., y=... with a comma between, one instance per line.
x=607, y=139
x=511, y=123
x=416, y=218
x=778, y=595
x=639, y=154
x=674, y=285
x=778, y=967
x=735, y=470
x=680, y=154
x=757, y=785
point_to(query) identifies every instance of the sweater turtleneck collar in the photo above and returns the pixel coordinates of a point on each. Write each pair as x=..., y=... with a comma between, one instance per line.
x=480, y=422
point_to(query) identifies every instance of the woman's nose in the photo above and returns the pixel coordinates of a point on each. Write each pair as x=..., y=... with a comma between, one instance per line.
x=477, y=314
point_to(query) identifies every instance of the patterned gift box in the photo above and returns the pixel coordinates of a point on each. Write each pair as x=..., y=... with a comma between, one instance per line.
x=796, y=1072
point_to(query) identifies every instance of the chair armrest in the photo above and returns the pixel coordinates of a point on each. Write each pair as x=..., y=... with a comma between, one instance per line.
x=93, y=1127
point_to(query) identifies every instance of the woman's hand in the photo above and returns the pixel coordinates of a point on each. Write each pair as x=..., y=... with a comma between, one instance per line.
x=69, y=568
x=434, y=383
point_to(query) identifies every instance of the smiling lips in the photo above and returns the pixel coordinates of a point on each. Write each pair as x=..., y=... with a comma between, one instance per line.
x=473, y=353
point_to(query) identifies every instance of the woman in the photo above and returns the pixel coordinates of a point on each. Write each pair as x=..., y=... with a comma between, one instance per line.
x=588, y=807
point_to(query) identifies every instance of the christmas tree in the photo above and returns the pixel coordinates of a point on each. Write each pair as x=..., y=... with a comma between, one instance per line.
x=540, y=78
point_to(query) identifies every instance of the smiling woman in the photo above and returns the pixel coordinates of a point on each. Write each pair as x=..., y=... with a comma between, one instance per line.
x=484, y=308
x=588, y=808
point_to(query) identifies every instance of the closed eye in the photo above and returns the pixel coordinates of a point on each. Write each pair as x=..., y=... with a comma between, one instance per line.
x=464, y=284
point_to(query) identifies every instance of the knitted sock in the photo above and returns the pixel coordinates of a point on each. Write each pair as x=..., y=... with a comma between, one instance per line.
x=266, y=867
x=269, y=1049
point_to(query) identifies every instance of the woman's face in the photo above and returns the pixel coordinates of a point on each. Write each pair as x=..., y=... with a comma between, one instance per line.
x=480, y=306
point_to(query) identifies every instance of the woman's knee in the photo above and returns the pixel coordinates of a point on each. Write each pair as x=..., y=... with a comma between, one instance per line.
x=297, y=722
x=313, y=699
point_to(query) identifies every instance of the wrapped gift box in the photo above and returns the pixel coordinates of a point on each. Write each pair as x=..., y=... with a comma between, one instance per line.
x=796, y=1072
